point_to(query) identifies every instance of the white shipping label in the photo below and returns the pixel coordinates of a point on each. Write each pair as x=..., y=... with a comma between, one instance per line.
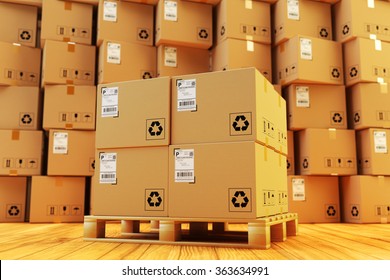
x=170, y=10
x=293, y=9
x=380, y=142
x=306, y=49
x=302, y=96
x=184, y=166
x=107, y=168
x=110, y=11
x=186, y=95
x=170, y=57
x=298, y=189
x=110, y=102
x=114, y=53
x=60, y=143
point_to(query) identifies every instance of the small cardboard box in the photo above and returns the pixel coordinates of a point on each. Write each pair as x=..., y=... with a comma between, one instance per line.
x=12, y=199
x=290, y=153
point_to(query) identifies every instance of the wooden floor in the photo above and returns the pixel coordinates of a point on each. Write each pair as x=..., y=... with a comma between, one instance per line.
x=24, y=241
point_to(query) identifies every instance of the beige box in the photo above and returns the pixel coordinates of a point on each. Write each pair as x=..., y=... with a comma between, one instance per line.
x=56, y=199
x=244, y=20
x=131, y=182
x=21, y=152
x=36, y=3
x=366, y=60
x=20, y=108
x=224, y=106
x=373, y=151
x=314, y=198
x=13, y=199
x=19, y=65
x=126, y=22
x=184, y=23
x=69, y=107
x=368, y=105
x=316, y=106
x=179, y=60
x=134, y=113
x=308, y=18
x=296, y=58
x=233, y=180
x=321, y=151
x=290, y=153
x=224, y=56
x=66, y=21
x=120, y=61
x=71, y=153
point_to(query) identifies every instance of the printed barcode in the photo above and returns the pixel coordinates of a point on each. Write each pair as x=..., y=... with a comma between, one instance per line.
x=60, y=148
x=170, y=61
x=184, y=174
x=108, y=176
x=113, y=57
x=380, y=147
x=170, y=15
x=306, y=53
x=299, y=194
x=303, y=101
x=109, y=16
x=110, y=109
x=186, y=103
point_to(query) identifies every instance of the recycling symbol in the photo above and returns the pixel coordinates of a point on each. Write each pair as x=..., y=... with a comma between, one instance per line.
x=155, y=125
x=147, y=75
x=26, y=119
x=345, y=29
x=143, y=34
x=154, y=199
x=337, y=118
x=93, y=164
x=288, y=164
x=244, y=202
x=356, y=118
x=223, y=30
x=203, y=34
x=335, y=73
x=355, y=211
x=354, y=72
x=240, y=119
x=305, y=163
x=331, y=211
x=25, y=35
x=13, y=210
x=324, y=33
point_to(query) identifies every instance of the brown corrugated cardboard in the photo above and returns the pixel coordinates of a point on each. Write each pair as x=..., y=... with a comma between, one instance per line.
x=314, y=198
x=365, y=199
x=223, y=106
x=69, y=107
x=134, y=113
x=290, y=153
x=36, y=3
x=20, y=108
x=92, y=2
x=184, y=23
x=150, y=2
x=373, y=151
x=57, y=199
x=71, y=153
x=131, y=182
x=12, y=199
x=321, y=151
x=212, y=2
x=21, y=152
x=315, y=106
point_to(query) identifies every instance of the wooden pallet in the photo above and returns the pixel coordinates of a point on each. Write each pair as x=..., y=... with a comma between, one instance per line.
x=260, y=232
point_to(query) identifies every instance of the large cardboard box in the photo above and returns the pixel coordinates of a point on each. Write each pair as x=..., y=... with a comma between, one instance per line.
x=314, y=198
x=13, y=199
x=309, y=18
x=184, y=23
x=19, y=65
x=224, y=106
x=69, y=107
x=315, y=106
x=296, y=58
x=56, y=199
x=71, y=153
x=126, y=22
x=321, y=151
x=224, y=56
x=36, y=3
x=131, y=182
x=179, y=60
x=365, y=199
x=368, y=105
x=244, y=20
x=373, y=151
x=20, y=108
x=121, y=61
x=290, y=153
x=232, y=180
x=133, y=114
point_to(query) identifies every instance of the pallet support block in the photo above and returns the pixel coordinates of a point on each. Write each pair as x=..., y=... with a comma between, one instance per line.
x=128, y=226
x=94, y=228
x=259, y=235
x=169, y=231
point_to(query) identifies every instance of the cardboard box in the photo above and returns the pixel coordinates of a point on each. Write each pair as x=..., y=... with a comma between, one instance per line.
x=232, y=180
x=57, y=199
x=150, y=2
x=316, y=106
x=67, y=63
x=224, y=56
x=309, y=18
x=12, y=199
x=244, y=20
x=224, y=106
x=120, y=61
x=131, y=182
x=71, y=153
x=69, y=107
x=126, y=22
x=373, y=151
x=366, y=60
x=321, y=151
x=20, y=108
x=365, y=199
x=212, y=2
x=21, y=152
x=314, y=198
x=178, y=60
x=18, y=24
x=66, y=21
x=290, y=153
x=133, y=114
x=20, y=65
x=296, y=58
x=184, y=23
x=92, y=2
x=36, y=3
x=368, y=105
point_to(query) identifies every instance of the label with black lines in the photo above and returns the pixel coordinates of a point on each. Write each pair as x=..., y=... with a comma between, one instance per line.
x=186, y=95
x=298, y=189
x=170, y=57
x=380, y=142
x=60, y=143
x=113, y=53
x=110, y=11
x=110, y=102
x=170, y=10
x=107, y=168
x=184, y=165
x=293, y=9
x=302, y=96
x=306, y=49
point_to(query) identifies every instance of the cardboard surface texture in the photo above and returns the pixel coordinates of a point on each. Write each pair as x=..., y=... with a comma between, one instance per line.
x=12, y=199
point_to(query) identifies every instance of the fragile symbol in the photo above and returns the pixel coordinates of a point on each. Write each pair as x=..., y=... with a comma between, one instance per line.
x=235, y=199
x=355, y=211
x=203, y=34
x=143, y=34
x=331, y=211
x=356, y=118
x=25, y=35
x=337, y=118
x=154, y=199
x=244, y=123
x=26, y=119
x=324, y=33
x=13, y=210
x=155, y=128
x=305, y=163
x=354, y=72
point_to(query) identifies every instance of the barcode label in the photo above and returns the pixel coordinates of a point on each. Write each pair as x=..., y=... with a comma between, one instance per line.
x=170, y=10
x=113, y=53
x=107, y=168
x=60, y=143
x=110, y=11
x=186, y=95
x=182, y=174
x=380, y=142
x=170, y=57
x=293, y=9
x=110, y=102
x=298, y=189
x=302, y=96
x=184, y=165
x=107, y=176
x=306, y=49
